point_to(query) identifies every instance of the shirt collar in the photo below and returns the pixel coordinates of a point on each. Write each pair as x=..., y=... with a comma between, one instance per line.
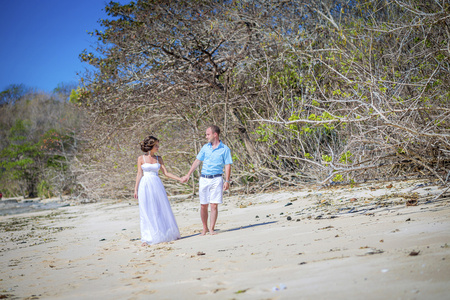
x=220, y=145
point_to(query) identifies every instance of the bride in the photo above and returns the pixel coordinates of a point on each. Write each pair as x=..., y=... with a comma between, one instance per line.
x=156, y=217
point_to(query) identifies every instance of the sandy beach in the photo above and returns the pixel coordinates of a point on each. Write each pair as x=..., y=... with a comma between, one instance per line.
x=339, y=242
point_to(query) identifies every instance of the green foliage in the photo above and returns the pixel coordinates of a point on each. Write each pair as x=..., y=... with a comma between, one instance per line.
x=306, y=129
x=19, y=160
x=326, y=158
x=34, y=155
x=288, y=78
x=44, y=189
x=346, y=158
x=401, y=151
x=293, y=127
x=323, y=117
x=74, y=96
x=264, y=132
x=338, y=178
x=20, y=154
x=80, y=96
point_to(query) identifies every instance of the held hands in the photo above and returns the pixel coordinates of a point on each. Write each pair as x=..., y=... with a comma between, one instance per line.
x=184, y=179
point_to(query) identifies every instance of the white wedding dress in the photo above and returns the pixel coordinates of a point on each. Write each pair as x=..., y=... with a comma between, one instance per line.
x=156, y=217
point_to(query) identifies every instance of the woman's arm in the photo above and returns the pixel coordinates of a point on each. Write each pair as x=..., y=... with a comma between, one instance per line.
x=166, y=173
x=138, y=177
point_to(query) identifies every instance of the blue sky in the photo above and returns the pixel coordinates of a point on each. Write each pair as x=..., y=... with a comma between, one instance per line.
x=41, y=40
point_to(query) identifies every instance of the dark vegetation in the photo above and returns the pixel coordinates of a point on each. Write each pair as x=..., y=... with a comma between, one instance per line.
x=39, y=141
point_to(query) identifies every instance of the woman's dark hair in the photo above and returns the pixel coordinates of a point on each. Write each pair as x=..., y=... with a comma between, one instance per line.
x=148, y=143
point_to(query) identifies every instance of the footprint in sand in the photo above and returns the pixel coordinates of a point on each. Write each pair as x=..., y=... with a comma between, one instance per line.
x=213, y=291
x=147, y=280
x=143, y=292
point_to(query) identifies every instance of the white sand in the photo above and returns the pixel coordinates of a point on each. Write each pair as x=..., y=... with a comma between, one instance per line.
x=93, y=251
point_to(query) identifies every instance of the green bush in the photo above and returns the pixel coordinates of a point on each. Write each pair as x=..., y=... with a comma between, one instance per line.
x=44, y=189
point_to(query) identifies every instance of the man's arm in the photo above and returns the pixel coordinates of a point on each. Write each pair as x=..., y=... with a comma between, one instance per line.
x=194, y=166
x=226, y=185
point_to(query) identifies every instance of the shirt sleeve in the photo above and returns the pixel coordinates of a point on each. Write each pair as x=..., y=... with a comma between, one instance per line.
x=227, y=156
x=201, y=154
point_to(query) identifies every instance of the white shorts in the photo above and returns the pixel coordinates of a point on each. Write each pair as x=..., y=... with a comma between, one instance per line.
x=210, y=190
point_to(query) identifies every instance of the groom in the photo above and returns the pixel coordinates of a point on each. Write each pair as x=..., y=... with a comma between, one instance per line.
x=214, y=155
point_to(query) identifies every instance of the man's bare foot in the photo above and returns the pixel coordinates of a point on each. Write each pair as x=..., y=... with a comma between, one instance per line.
x=144, y=244
x=204, y=232
x=212, y=232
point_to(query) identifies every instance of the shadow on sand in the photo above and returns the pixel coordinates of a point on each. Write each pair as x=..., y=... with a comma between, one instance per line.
x=232, y=229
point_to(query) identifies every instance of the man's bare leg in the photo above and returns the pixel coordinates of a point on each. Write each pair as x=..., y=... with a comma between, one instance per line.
x=214, y=213
x=204, y=216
